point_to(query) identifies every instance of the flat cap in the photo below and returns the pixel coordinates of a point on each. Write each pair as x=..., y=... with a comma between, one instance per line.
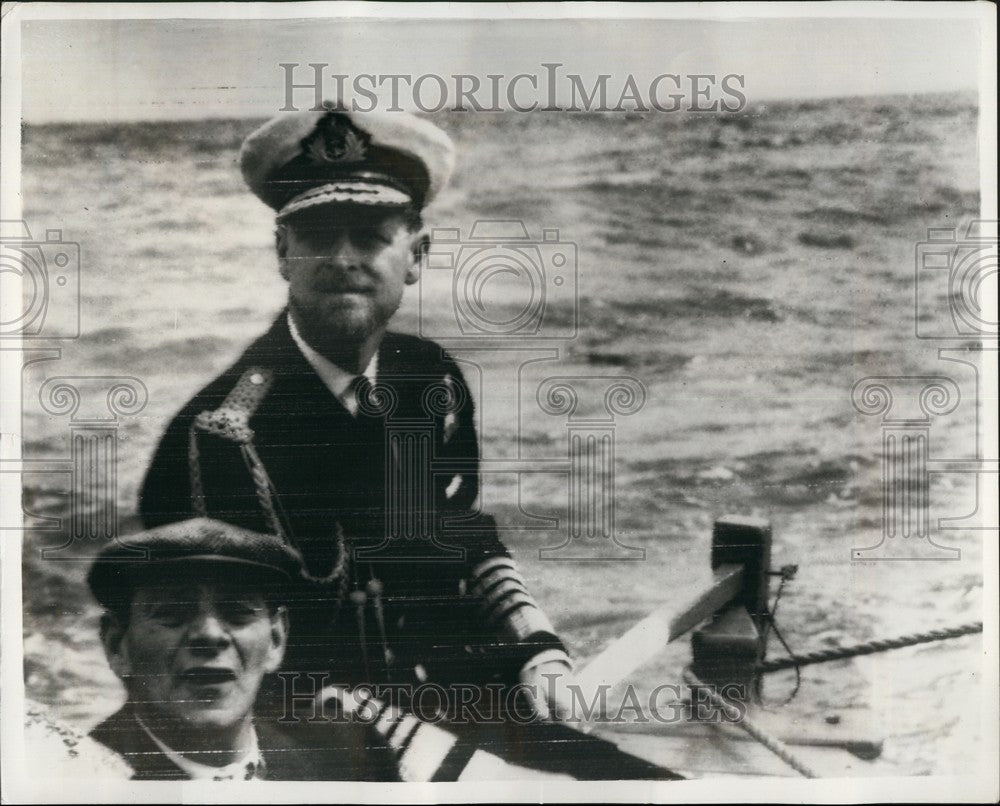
x=184, y=550
x=305, y=159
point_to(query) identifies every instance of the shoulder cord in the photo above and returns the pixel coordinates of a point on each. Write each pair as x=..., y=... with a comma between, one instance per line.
x=264, y=488
x=359, y=598
x=374, y=589
x=194, y=473
x=232, y=421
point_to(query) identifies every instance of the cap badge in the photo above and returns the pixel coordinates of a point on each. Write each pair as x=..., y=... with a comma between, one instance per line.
x=336, y=142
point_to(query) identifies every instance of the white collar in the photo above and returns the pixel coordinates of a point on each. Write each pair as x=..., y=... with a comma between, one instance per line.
x=249, y=766
x=337, y=380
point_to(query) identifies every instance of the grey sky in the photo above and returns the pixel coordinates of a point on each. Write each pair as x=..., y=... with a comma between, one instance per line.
x=192, y=68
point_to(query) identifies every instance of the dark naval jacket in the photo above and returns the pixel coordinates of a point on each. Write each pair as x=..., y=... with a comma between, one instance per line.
x=333, y=752
x=404, y=597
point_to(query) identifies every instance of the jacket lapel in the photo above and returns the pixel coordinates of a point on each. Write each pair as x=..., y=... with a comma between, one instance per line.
x=123, y=734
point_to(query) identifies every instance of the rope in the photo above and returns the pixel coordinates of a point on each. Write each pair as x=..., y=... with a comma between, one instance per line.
x=787, y=574
x=772, y=743
x=759, y=678
x=869, y=647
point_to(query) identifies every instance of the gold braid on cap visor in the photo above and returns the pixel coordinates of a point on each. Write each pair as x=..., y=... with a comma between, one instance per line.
x=365, y=189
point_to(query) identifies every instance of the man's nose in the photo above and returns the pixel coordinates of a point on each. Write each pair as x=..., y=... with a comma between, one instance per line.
x=343, y=252
x=208, y=632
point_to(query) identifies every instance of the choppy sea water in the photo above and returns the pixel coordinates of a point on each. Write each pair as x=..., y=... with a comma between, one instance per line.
x=745, y=270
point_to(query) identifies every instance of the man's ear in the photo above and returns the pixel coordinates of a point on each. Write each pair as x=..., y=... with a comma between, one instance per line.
x=279, y=639
x=418, y=251
x=281, y=247
x=113, y=632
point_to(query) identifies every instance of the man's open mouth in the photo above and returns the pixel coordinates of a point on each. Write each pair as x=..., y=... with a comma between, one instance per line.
x=349, y=289
x=208, y=676
x=332, y=284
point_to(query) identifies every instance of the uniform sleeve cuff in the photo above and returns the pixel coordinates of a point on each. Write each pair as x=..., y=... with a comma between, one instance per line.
x=549, y=656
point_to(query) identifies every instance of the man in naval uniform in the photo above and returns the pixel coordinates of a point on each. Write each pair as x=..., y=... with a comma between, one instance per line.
x=195, y=619
x=295, y=438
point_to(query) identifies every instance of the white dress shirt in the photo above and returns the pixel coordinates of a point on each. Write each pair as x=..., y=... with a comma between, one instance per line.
x=337, y=380
x=247, y=767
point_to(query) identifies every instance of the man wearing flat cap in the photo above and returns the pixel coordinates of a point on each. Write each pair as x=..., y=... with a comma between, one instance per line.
x=294, y=438
x=195, y=618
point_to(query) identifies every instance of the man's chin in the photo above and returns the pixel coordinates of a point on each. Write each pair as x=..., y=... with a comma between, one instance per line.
x=213, y=718
x=211, y=710
x=347, y=332
x=340, y=322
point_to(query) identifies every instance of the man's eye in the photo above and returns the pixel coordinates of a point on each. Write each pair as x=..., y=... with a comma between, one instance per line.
x=170, y=616
x=370, y=237
x=239, y=613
